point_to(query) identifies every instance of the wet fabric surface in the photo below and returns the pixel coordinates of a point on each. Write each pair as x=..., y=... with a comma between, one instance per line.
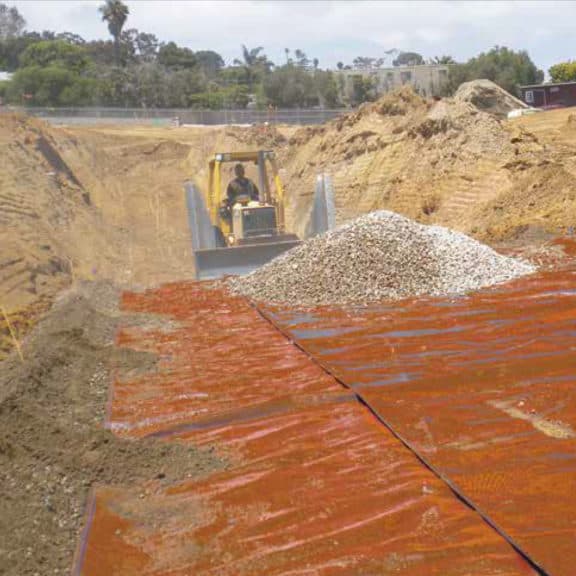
x=483, y=387
x=315, y=484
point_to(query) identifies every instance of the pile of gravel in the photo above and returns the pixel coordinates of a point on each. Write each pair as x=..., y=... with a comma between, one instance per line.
x=380, y=256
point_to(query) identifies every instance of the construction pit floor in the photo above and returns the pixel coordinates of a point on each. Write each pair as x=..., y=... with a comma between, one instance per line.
x=428, y=437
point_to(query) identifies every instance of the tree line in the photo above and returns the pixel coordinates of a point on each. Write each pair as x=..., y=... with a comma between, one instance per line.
x=136, y=69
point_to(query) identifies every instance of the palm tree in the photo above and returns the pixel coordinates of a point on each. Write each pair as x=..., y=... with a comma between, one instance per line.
x=253, y=62
x=443, y=60
x=301, y=58
x=115, y=13
x=250, y=56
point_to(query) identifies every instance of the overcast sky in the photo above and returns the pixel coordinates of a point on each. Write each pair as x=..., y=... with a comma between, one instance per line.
x=331, y=30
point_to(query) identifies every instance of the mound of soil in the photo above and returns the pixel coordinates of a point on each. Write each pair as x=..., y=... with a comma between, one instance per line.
x=488, y=97
x=447, y=162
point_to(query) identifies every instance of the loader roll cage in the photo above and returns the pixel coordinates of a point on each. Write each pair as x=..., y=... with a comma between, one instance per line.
x=260, y=158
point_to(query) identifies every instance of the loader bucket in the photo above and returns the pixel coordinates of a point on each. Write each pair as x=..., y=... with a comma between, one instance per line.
x=238, y=260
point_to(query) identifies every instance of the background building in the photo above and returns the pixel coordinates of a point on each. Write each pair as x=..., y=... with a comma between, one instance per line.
x=426, y=79
x=544, y=95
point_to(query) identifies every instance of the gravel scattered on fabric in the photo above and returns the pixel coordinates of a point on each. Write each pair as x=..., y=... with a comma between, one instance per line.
x=379, y=256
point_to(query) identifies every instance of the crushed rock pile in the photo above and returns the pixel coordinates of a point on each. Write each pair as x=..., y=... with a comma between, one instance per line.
x=379, y=256
x=488, y=97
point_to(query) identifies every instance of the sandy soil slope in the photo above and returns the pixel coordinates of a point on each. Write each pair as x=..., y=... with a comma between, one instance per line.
x=444, y=162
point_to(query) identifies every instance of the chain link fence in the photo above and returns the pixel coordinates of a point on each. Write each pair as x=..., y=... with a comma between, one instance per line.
x=163, y=117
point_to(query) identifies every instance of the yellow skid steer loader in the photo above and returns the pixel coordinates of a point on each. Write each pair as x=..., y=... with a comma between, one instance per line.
x=240, y=238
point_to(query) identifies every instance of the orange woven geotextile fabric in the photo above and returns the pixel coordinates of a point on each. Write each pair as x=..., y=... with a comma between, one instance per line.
x=483, y=387
x=315, y=486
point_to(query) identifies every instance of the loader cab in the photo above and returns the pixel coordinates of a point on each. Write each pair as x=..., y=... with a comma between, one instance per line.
x=248, y=221
x=249, y=234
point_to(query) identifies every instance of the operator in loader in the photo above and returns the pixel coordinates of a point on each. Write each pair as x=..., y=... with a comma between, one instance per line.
x=241, y=188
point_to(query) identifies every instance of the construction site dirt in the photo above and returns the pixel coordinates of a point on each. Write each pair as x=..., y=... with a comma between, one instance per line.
x=107, y=202
x=442, y=447
x=151, y=424
x=53, y=446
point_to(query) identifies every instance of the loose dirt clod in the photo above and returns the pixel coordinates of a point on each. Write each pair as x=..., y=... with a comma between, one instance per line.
x=379, y=256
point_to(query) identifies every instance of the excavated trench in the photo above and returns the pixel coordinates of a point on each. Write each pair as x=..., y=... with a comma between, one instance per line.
x=432, y=436
x=427, y=437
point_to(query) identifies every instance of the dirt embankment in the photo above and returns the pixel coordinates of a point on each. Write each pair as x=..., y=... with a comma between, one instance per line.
x=107, y=202
x=52, y=444
x=97, y=203
x=445, y=162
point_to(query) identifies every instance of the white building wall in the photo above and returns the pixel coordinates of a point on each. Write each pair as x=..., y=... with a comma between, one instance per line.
x=427, y=79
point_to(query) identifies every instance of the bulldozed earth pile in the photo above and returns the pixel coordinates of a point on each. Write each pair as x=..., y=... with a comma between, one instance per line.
x=448, y=162
x=488, y=97
x=380, y=256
